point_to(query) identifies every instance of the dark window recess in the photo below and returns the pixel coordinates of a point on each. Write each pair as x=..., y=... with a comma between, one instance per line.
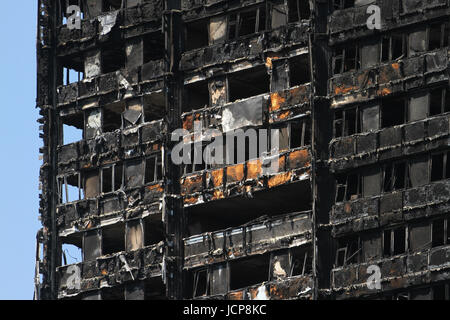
x=438, y=36
x=343, y=4
x=393, y=112
x=349, y=251
x=154, y=106
x=113, y=294
x=439, y=292
x=300, y=134
x=113, y=58
x=299, y=72
x=347, y=122
x=348, y=187
x=399, y=241
x=397, y=46
x=248, y=83
x=153, y=169
x=438, y=233
x=113, y=239
x=246, y=23
x=392, y=47
x=395, y=176
x=197, y=34
x=197, y=96
x=200, y=287
x=112, y=178
x=112, y=117
x=248, y=272
x=387, y=243
x=153, y=47
x=394, y=241
x=111, y=5
x=153, y=232
x=63, y=5
x=437, y=166
x=385, y=49
x=437, y=101
x=346, y=59
x=298, y=10
x=197, y=162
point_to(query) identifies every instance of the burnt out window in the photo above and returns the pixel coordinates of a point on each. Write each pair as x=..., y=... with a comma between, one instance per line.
x=393, y=47
x=111, y=5
x=348, y=252
x=395, y=176
x=112, y=178
x=201, y=280
x=248, y=83
x=439, y=232
x=113, y=58
x=438, y=34
x=347, y=122
x=197, y=96
x=197, y=34
x=298, y=10
x=195, y=155
x=69, y=188
x=394, y=241
x=393, y=112
x=439, y=101
x=299, y=72
x=153, y=169
x=348, y=187
x=246, y=23
x=346, y=59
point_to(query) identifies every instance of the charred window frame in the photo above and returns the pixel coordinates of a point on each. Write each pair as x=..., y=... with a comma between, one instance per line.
x=438, y=35
x=69, y=188
x=193, y=167
x=346, y=58
x=298, y=10
x=293, y=135
x=395, y=241
x=393, y=112
x=347, y=122
x=439, y=101
x=440, y=233
x=395, y=176
x=111, y=178
x=393, y=47
x=440, y=166
x=246, y=22
x=201, y=283
x=348, y=187
x=153, y=169
x=348, y=251
x=441, y=291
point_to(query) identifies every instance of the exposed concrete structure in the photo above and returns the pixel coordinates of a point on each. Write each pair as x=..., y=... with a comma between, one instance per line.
x=362, y=175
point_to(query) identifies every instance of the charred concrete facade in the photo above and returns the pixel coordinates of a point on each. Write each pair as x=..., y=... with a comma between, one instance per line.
x=362, y=174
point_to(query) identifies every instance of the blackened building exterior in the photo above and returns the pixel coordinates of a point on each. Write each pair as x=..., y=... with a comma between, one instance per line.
x=361, y=188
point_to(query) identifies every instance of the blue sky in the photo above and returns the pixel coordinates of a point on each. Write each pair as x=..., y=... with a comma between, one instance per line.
x=19, y=145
